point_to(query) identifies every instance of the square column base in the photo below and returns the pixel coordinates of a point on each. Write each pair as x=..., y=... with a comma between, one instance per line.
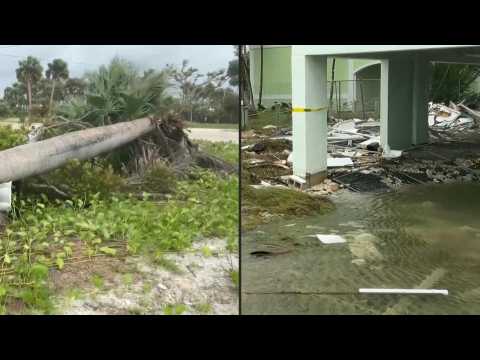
x=315, y=179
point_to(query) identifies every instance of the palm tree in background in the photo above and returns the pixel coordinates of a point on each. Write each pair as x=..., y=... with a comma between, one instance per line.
x=57, y=71
x=29, y=72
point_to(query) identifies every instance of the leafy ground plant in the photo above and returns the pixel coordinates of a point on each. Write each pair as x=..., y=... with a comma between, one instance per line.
x=52, y=235
x=10, y=137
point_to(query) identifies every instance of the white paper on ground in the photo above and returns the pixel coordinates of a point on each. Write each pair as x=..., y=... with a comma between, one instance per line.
x=339, y=162
x=405, y=291
x=331, y=239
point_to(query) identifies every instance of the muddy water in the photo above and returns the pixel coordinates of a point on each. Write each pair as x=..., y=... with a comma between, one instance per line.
x=419, y=237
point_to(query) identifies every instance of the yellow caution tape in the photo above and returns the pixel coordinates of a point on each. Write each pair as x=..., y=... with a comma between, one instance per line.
x=297, y=109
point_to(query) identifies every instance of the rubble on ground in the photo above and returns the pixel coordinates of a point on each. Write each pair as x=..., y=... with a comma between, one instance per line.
x=357, y=161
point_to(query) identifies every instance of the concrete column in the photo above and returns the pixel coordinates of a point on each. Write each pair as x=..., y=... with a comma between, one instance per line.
x=396, y=89
x=309, y=102
x=422, y=76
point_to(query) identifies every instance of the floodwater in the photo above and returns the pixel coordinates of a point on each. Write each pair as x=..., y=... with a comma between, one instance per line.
x=418, y=237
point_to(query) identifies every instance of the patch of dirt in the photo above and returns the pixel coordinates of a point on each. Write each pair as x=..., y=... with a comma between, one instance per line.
x=79, y=275
x=200, y=284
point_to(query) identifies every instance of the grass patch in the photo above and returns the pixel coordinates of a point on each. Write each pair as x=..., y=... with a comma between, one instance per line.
x=188, y=124
x=280, y=119
x=256, y=203
x=225, y=151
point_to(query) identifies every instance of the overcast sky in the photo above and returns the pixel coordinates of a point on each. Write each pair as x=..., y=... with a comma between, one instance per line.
x=81, y=58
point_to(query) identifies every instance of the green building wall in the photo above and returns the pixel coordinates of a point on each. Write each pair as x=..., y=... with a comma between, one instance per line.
x=277, y=81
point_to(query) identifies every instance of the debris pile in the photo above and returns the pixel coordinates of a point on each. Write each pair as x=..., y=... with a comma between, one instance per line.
x=356, y=160
x=443, y=120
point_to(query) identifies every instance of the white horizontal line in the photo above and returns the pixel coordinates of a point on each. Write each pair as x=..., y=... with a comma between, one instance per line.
x=404, y=291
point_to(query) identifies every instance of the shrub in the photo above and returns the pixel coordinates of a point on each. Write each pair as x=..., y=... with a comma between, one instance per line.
x=80, y=179
x=10, y=138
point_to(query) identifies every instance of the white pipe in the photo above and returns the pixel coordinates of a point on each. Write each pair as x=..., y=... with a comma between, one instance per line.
x=6, y=196
x=404, y=291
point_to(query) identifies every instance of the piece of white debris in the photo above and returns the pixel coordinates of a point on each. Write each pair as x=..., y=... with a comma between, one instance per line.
x=331, y=239
x=359, y=262
x=297, y=179
x=339, y=162
x=290, y=158
x=404, y=291
x=393, y=154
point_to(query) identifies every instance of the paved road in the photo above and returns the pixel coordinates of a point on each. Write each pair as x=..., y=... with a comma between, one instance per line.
x=213, y=134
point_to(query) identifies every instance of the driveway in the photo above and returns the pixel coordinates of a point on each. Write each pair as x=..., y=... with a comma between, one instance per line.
x=217, y=135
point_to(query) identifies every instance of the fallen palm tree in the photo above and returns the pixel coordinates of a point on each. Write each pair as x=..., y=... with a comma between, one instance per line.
x=167, y=140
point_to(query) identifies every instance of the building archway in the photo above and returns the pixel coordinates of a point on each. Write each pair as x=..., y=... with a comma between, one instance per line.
x=366, y=91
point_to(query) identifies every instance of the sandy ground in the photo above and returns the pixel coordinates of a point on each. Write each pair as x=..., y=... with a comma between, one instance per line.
x=201, y=284
x=225, y=135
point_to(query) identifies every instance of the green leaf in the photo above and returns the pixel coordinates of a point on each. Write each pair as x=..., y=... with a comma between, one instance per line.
x=38, y=271
x=68, y=250
x=108, y=251
x=60, y=263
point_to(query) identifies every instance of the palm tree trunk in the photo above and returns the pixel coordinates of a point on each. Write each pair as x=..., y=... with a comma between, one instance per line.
x=36, y=158
x=29, y=95
x=51, y=99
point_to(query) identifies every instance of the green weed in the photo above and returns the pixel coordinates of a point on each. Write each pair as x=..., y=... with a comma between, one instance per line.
x=127, y=279
x=204, y=308
x=234, y=277
x=97, y=281
x=175, y=309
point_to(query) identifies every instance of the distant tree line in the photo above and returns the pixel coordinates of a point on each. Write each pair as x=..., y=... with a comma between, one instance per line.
x=119, y=92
